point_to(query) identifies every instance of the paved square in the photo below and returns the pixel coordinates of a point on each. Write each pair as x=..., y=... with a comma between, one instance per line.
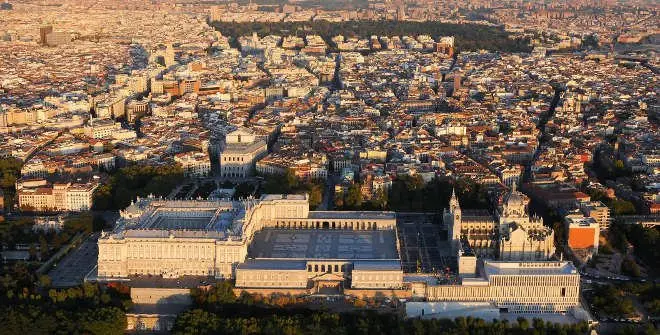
x=321, y=244
x=423, y=239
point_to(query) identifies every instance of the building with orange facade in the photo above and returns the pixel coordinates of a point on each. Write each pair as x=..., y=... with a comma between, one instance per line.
x=583, y=232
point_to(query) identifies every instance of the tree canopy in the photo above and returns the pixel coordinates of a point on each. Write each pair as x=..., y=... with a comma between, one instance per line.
x=10, y=171
x=219, y=311
x=136, y=180
x=199, y=321
x=288, y=183
x=471, y=37
x=29, y=306
x=411, y=193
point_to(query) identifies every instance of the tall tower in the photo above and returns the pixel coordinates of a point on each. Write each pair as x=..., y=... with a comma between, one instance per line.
x=169, y=56
x=458, y=77
x=453, y=219
x=43, y=32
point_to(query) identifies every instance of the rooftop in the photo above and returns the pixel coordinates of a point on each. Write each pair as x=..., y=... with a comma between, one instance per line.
x=273, y=264
x=351, y=214
x=244, y=147
x=378, y=265
x=529, y=268
x=156, y=218
x=270, y=197
x=160, y=233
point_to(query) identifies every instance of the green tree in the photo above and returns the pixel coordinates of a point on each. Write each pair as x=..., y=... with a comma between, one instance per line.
x=221, y=293
x=136, y=180
x=353, y=199
x=43, y=247
x=104, y=321
x=243, y=190
x=10, y=170
x=611, y=301
x=196, y=321
x=630, y=268
x=44, y=281
x=315, y=195
x=622, y=207
x=590, y=41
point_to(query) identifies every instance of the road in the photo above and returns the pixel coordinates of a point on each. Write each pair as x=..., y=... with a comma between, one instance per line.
x=328, y=202
x=71, y=270
x=607, y=325
x=543, y=138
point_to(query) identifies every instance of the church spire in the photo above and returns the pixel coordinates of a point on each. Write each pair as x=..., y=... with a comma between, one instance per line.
x=453, y=201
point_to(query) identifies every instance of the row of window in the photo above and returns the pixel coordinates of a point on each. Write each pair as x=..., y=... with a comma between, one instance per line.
x=180, y=272
x=323, y=268
x=327, y=225
x=171, y=251
x=233, y=168
x=374, y=285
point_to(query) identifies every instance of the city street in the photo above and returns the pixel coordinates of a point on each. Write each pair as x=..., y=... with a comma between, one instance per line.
x=72, y=269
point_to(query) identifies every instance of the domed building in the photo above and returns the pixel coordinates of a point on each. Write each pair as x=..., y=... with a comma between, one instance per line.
x=508, y=234
x=523, y=237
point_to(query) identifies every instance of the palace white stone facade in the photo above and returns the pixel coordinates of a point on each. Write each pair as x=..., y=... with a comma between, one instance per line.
x=203, y=237
x=276, y=244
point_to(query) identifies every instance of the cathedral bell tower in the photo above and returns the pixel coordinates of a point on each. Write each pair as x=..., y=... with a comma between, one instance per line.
x=453, y=219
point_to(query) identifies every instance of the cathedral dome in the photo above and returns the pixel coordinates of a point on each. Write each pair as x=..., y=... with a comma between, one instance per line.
x=515, y=203
x=515, y=198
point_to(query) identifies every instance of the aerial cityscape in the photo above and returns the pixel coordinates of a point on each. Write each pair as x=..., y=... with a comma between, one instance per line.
x=329, y=167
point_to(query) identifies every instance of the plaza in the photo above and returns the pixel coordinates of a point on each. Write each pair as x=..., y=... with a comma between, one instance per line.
x=423, y=241
x=323, y=244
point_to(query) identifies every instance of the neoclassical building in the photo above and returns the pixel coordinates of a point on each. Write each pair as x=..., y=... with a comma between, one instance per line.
x=242, y=150
x=275, y=244
x=510, y=234
x=213, y=238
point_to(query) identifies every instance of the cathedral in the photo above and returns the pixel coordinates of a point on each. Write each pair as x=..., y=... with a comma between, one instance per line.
x=509, y=234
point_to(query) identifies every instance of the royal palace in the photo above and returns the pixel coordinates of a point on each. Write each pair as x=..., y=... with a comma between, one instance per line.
x=276, y=243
